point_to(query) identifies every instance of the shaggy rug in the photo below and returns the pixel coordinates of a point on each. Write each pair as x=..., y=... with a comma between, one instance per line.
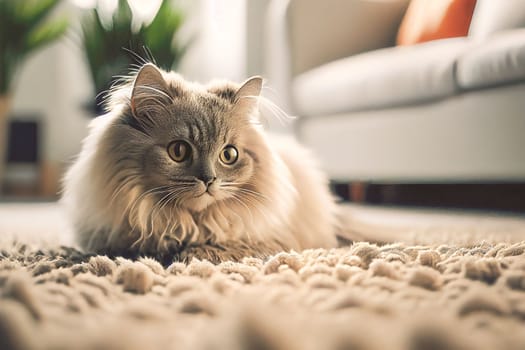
x=360, y=296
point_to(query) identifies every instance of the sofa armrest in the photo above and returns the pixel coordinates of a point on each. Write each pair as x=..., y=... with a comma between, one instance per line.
x=303, y=34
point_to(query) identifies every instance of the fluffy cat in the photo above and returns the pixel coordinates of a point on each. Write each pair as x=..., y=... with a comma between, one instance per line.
x=177, y=169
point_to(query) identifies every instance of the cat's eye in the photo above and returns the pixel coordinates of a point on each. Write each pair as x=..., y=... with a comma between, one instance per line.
x=229, y=155
x=179, y=151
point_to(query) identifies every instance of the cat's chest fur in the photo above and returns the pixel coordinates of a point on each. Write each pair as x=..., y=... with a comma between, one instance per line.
x=133, y=220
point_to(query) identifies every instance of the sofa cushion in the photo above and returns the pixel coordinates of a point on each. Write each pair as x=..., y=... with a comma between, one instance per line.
x=493, y=16
x=380, y=78
x=323, y=31
x=496, y=60
x=438, y=19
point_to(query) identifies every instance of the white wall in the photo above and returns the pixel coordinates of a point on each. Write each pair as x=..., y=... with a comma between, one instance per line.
x=54, y=83
x=219, y=49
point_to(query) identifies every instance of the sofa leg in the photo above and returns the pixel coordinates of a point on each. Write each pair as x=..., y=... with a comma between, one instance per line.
x=357, y=191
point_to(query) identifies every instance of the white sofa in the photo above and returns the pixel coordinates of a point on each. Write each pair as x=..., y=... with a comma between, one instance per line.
x=450, y=110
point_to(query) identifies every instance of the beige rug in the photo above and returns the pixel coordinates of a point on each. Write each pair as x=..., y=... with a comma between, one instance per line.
x=444, y=288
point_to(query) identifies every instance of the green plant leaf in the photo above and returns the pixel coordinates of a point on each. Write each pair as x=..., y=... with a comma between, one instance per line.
x=33, y=12
x=160, y=35
x=24, y=27
x=103, y=43
x=46, y=34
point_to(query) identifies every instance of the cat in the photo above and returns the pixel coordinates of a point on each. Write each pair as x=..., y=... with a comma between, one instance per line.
x=177, y=170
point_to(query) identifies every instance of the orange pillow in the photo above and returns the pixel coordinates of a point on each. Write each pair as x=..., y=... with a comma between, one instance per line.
x=427, y=20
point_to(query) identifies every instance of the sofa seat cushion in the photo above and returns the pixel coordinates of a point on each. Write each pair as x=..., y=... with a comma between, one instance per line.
x=498, y=59
x=381, y=78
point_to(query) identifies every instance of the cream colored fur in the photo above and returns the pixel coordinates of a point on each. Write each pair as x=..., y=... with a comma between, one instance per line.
x=113, y=213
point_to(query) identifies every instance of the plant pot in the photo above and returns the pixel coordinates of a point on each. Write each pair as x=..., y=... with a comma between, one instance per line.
x=4, y=110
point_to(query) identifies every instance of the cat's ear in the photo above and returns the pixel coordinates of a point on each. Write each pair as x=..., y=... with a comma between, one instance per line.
x=149, y=89
x=250, y=89
x=246, y=98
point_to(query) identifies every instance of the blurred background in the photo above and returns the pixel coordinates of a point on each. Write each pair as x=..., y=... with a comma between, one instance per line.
x=404, y=102
x=57, y=87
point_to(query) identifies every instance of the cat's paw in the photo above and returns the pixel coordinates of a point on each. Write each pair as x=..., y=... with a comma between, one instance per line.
x=226, y=251
x=210, y=252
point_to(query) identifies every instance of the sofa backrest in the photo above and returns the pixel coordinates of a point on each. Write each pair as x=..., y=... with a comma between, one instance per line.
x=492, y=16
x=321, y=31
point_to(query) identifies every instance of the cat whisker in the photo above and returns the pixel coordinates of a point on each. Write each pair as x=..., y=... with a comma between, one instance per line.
x=135, y=67
x=239, y=183
x=126, y=182
x=254, y=193
x=283, y=117
x=269, y=88
x=171, y=196
x=192, y=183
x=243, y=189
x=275, y=110
x=252, y=201
x=179, y=199
x=153, y=190
x=141, y=60
x=120, y=80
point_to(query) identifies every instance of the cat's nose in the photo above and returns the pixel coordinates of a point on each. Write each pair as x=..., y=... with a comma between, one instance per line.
x=207, y=179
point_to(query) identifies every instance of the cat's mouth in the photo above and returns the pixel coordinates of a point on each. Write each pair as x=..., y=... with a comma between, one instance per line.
x=205, y=193
x=201, y=198
x=200, y=201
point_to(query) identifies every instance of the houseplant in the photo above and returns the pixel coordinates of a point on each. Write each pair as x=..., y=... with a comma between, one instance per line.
x=24, y=28
x=112, y=47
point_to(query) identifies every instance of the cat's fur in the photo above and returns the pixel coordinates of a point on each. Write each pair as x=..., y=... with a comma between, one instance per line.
x=126, y=196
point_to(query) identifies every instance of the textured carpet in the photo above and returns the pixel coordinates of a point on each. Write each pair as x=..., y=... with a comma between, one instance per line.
x=457, y=281
x=363, y=296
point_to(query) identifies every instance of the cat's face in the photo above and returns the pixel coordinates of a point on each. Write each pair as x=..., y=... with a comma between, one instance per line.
x=192, y=145
x=201, y=153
